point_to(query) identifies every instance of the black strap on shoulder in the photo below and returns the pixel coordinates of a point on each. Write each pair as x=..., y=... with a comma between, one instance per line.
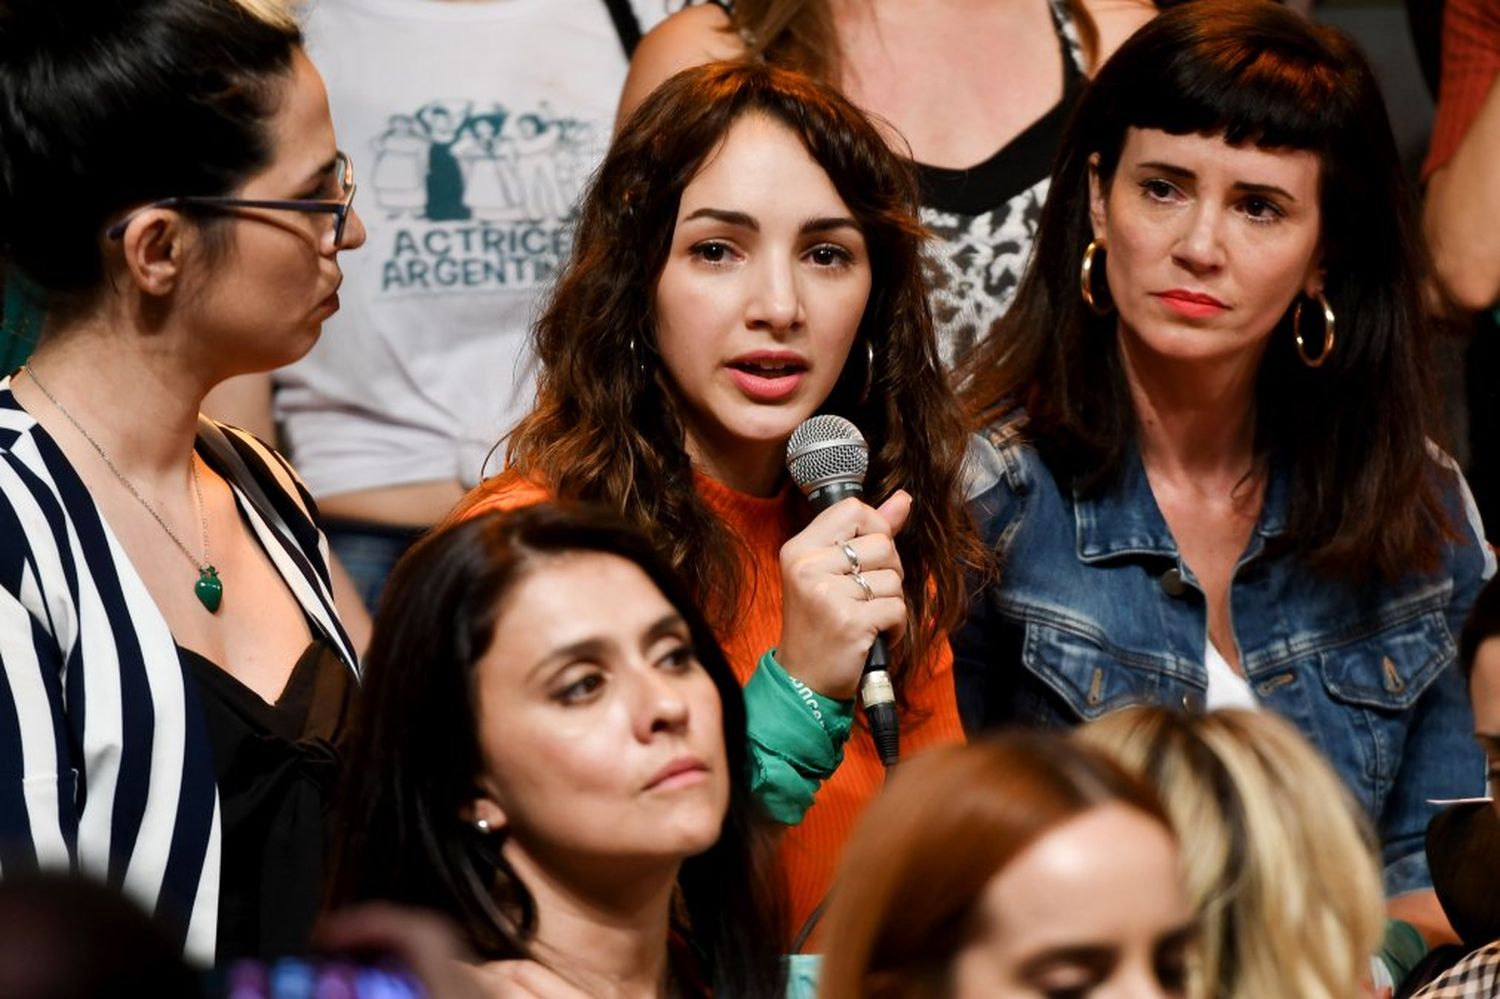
x=626, y=26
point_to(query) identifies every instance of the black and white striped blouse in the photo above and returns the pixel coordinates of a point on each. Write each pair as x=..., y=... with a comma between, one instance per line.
x=105, y=765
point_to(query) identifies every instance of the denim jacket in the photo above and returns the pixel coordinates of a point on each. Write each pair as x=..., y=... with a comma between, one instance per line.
x=1096, y=610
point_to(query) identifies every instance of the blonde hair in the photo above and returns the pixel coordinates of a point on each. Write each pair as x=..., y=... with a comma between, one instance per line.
x=278, y=14
x=1278, y=860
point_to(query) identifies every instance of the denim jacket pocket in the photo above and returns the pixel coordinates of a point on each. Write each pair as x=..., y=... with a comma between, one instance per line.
x=1392, y=750
x=1091, y=679
x=1391, y=668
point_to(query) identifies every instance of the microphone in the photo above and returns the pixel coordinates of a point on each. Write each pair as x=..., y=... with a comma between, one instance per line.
x=827, y=457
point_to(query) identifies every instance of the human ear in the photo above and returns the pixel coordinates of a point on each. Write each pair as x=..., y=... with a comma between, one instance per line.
x=485, y=810
x=1098, y=210
x=1317, y=279
x=153, y=246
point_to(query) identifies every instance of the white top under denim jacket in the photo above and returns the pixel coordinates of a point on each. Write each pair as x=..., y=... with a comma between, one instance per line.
x=1096, y=610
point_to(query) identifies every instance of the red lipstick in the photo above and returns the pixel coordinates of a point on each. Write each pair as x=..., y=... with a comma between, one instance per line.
x=1192, y=304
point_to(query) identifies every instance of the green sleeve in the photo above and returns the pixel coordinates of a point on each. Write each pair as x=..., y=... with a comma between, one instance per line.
x=1401, y=949
x=796, y=739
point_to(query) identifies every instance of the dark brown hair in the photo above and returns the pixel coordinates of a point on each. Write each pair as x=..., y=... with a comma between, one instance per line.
x=111, y=104
x=1365, y=494
x=415, y=753
x=923, y=852
x=606, y=426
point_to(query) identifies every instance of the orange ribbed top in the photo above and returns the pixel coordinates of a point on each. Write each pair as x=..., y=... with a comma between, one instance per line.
x=810, y=851
x=1471, y=64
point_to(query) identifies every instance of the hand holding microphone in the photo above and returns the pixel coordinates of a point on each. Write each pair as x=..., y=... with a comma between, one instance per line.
x=842, y=577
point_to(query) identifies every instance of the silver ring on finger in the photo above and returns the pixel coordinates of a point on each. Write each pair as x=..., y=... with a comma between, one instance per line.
x=864, y=584
x=852, y=556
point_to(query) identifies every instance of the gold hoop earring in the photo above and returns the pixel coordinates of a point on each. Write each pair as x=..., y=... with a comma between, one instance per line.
x=1328, y=330
x=1086, y=281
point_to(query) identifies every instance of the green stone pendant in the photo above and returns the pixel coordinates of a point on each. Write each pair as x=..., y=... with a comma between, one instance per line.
x=208, y=589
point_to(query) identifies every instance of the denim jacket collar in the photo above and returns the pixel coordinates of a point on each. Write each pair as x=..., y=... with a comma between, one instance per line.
x=1122, y=519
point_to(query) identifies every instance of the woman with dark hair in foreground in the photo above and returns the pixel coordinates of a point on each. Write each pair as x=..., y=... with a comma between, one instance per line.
x=550, y=750
x=1208, y=471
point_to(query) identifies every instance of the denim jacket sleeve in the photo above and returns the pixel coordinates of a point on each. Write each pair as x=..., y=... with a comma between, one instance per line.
x=1440, y=759
x=995, y=490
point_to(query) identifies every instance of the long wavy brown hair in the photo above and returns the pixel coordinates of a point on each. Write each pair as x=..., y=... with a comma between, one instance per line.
x=800, y=34
x=607, y=427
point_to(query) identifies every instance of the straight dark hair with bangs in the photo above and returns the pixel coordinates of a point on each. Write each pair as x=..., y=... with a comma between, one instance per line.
x=415, y=754
x=1353, y=434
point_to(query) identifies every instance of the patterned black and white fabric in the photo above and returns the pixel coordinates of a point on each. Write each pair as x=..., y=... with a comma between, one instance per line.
x=985, y=217
x=105, y=764
x=1475, y=977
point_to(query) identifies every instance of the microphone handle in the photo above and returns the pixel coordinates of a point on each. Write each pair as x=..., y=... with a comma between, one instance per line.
x=876, y=692
x=878, y=696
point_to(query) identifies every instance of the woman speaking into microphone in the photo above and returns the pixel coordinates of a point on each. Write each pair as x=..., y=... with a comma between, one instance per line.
x=747, y=257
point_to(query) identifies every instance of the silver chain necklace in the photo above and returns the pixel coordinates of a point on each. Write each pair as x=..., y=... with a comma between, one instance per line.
x=208, y=589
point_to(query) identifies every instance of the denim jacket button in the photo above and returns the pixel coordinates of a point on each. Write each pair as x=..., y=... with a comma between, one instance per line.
x=1192, y=702
x=1171, y=582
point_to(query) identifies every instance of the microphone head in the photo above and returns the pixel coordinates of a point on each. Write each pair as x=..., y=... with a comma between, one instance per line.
x=827, y=450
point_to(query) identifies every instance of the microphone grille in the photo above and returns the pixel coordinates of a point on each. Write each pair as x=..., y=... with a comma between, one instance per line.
x=826, y=449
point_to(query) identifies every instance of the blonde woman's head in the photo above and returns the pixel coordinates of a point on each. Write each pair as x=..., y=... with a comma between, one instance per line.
x=1277, y=858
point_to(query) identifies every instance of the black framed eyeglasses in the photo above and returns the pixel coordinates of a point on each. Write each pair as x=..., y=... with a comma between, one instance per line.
x=343, y=170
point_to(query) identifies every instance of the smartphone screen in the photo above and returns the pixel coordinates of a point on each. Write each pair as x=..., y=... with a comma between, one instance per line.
x=318, y=977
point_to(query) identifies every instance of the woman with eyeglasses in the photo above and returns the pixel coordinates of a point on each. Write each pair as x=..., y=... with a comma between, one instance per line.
x=173, y=675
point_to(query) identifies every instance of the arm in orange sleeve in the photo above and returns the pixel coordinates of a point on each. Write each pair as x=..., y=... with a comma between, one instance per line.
x=507, y=491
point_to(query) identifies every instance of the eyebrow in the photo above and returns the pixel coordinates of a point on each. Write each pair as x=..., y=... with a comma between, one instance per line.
x=1100, y=957
x=1097, y=958
x=1239, y=185
x=321, y=171
x=742, y=220
x=587, y=648
x=598, y=648
x=671, y=624
x=1490, y=739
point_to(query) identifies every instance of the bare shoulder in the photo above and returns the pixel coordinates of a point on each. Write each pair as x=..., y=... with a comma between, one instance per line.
x=692, y=36
x=1117, y=20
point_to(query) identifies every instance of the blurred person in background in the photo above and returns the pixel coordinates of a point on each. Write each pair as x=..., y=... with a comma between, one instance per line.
x=1278, y=860
x=1463, y=842
x=1462, y=219
x=1018, y=867
x=479, y=124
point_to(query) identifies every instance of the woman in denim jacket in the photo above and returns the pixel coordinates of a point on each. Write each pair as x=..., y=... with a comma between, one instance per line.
x=1206, y=464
